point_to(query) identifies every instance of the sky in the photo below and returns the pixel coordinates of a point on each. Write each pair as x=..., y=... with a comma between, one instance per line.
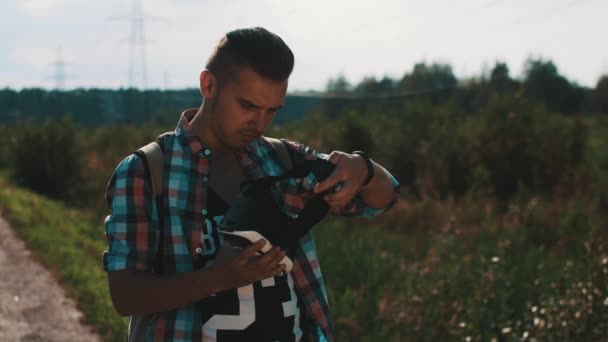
x=91, y=38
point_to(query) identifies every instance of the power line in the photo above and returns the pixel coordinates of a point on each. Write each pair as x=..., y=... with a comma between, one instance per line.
x=535, y=18
x=374, y=95
x=400, y=16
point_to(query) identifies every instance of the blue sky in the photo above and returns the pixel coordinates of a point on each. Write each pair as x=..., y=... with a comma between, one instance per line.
x=355, y=38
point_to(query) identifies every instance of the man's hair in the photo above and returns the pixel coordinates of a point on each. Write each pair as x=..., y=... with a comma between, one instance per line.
x=256, y=47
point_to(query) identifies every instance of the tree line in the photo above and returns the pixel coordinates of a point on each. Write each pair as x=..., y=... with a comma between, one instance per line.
x=436, y=83
x=429, y=83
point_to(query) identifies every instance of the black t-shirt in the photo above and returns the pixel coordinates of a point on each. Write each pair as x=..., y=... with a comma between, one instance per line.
x=263, y=311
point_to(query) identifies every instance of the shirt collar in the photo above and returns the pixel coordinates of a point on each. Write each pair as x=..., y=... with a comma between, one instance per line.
x=185, y=134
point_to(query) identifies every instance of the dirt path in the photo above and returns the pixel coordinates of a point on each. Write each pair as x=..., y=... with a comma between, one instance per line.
x=33, y=307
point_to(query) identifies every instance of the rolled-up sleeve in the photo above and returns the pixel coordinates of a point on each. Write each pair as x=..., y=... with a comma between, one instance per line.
x=131, y=229
x=358, y=207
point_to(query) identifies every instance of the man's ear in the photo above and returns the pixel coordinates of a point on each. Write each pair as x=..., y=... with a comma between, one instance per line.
x=208, y=84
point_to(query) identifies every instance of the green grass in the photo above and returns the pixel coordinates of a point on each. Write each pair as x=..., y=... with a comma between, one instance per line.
x=70, y=243
x=527, y=273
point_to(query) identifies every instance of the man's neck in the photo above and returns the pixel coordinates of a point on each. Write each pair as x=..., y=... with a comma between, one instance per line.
x=202, y=129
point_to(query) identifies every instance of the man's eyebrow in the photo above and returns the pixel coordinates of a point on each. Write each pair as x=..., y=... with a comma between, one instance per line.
x=276, y=108
x=249, y=103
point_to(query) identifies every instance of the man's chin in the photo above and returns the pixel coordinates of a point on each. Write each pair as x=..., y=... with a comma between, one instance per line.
x=246, y=140
x=240, y=146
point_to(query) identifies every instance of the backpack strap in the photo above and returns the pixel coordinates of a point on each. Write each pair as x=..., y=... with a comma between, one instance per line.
x=154, y=157
x=285, y=153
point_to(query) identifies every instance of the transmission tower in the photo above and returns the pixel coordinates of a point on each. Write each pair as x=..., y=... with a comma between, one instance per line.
x=166, y=80
x=137, y=44
x=137, y=40
x=59, y=65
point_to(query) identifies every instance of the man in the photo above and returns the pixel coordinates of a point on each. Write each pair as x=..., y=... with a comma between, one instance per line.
x=167, y=264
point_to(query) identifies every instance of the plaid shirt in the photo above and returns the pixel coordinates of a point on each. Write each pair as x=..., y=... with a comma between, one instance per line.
x=133, y=227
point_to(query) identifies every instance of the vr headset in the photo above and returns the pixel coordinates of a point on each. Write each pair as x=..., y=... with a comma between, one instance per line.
x=256, y=215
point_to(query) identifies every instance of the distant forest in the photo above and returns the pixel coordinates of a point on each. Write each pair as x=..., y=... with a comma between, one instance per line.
x=429, y=84
x=95, y=107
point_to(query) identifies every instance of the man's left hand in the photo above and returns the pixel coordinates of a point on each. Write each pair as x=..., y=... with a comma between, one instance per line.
x=348, y=177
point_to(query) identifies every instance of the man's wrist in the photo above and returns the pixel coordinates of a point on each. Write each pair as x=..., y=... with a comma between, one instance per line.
x=215, y=278
x=368, y=164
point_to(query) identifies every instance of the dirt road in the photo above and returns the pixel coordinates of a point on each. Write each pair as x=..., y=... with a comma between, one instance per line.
x=33, y=307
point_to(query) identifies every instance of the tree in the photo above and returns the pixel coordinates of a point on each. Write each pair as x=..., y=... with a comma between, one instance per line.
x=338, y=85
x=426, y=78
x=500, y=79
x=367, y=85
x=600, y=94
x=544, y=83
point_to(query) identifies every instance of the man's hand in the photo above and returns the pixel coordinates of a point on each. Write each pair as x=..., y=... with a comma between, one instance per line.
x=240, y=268
x=350, y=173
x=138, y=292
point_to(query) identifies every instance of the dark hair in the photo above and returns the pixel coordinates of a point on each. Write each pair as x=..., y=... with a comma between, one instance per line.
x=256, y=47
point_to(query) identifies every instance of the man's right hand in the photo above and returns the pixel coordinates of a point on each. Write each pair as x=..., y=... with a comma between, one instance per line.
x=242, y=267
x=138, y=292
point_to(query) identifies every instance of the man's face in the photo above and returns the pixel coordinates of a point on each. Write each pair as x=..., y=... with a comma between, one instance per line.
x=244, y=106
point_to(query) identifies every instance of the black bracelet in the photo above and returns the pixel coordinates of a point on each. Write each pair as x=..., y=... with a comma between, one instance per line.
x=370, y=166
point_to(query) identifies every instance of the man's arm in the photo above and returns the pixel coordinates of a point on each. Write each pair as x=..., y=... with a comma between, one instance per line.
x=380, y=191
x=132, y=247
x=138, y=292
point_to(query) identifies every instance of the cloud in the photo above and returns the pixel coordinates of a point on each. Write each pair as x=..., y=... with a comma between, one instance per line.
x=35, y=7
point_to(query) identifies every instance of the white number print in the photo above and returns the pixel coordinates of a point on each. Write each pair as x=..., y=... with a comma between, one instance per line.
x=246, y=315
x=207, y=240
x=241, y=321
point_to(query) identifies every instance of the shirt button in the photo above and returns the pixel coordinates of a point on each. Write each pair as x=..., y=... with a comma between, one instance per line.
x=207, y=152
x=205, y=179
x=204, y=211
x=198, y=250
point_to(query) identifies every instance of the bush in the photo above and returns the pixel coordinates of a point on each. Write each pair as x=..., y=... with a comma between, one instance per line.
x=528, y=148
x=4, y=146
x=435, y=152
x=398, y=139
x=446, y=160
x=48, y=159
x=355, y=134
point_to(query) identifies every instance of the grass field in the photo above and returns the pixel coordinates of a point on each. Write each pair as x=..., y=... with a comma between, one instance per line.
x=530, y=273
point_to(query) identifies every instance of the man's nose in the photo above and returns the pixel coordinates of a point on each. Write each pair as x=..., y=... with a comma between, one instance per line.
x=257, y=121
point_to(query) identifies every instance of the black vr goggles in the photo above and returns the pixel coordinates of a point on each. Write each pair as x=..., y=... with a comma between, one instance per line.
x=256, y=215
